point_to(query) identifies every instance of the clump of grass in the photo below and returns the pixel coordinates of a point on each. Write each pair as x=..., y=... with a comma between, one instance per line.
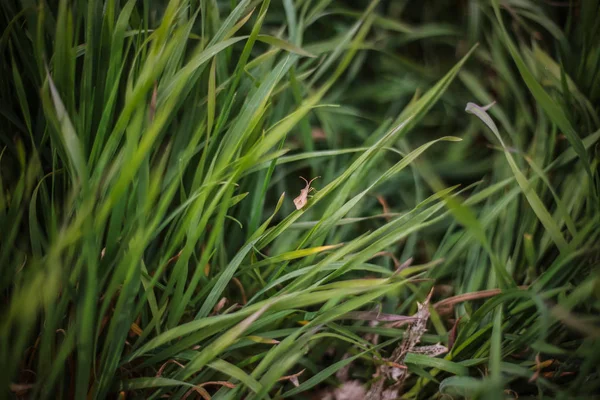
x=150, y=245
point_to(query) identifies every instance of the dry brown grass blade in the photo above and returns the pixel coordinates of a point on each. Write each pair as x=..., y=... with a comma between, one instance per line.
x=445, y=305
x=162, y=367
x=242, y=291
x=292, y=378
x=218, y=383
x=219, y=306
x=384, y=205
x=538, y=368
x=403, y=266
x=203, y=393
x=200, y=390
x=453, y=333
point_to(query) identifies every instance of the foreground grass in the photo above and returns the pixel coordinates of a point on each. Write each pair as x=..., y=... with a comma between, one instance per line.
x=150, y=246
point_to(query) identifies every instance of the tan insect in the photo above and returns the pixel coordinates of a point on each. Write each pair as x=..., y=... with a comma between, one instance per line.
x=301, y=200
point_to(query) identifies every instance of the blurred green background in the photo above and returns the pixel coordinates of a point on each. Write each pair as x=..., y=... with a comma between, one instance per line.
x=151, y=150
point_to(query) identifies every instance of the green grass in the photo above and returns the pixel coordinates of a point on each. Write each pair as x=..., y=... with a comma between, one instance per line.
x=150, y=153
